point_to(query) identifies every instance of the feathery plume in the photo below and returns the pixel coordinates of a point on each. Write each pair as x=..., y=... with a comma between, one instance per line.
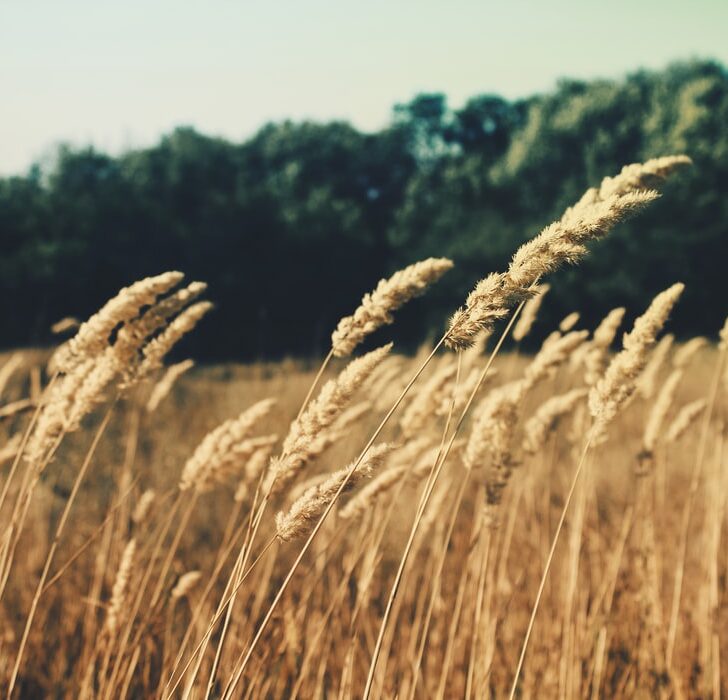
x=618, y=382
x=132, y=336
x=568, y=322
x=185, y=584
x=529, y=313
x=684, y=419
x=155, y=351
x=305, y=511
x=659, y=411
x=647, y=381
x=596, y=357
x=547, y=417
x=164, y=385
x=143, y=506
x=389, y=295
x=224, y=448
x=303, y=441
x=119, y=589
x=562, y=242
x=93, y=335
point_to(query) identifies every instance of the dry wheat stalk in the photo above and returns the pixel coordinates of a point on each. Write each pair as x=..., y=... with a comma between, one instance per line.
x=303, y=515
x=647, y=381
x=146, y=500
x=561, y=242
x=119, y=589
x=684, y=419
x=254, y=468
x=596, y=358
x=185, y=584
x=93, y=335
x=547, y=417
x=156, y=350
x=658, y=413
x=303, y=441
x=568, y=322
x=226, y=445
x=619, y=381
x=529, y=313
x=164, y=385
x=363, y=501
x=376, y=308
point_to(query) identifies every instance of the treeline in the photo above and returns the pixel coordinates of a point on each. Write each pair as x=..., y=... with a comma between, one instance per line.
x=291, y=227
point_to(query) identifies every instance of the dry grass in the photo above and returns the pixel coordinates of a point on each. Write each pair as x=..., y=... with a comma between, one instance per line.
x=591, y=624
x=547, y=525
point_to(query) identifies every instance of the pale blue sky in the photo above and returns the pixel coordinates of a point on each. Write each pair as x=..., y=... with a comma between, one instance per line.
x=118, y=74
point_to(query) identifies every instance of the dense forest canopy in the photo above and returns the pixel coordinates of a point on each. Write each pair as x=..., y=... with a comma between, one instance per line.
x=292, y=226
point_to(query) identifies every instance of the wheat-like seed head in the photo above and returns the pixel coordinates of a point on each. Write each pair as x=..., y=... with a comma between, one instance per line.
x=596, y=356
x=93, y=335
x=687, y=415
x=546, y=418
x=376, y=308
x=226, y=444
x=164, y=385
x=146, y=500
x=185, y=584
x=659, y=411
x=618, y=383
x=305, y=512
x=119, y=589
x=561, y=242
x=568, y=322
x=364, y=500
x=529, y=313
x=155, y=351
x=306, y=439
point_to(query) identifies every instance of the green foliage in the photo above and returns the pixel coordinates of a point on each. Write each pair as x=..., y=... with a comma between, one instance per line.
x=291, y=227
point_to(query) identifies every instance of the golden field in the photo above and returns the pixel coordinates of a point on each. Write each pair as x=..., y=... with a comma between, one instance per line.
x=603, y=622
x=465, y=523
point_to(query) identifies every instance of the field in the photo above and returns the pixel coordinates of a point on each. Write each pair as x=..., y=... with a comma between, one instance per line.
x=468, y=522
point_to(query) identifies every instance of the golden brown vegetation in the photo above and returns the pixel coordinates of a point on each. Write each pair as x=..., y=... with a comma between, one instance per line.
x=545, y=526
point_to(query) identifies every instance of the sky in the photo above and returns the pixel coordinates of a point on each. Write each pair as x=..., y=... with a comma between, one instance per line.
x=118, y=75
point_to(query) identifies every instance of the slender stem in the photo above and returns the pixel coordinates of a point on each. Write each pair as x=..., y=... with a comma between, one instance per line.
x=238, y=674
x=91, y=537
x=54, y=545
x=434, y=475
x=24, y=442
x=687, y=510
x=248, y=544
x=436, y=583
x=549, y=559
x=218, y=616
x=316, y=380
